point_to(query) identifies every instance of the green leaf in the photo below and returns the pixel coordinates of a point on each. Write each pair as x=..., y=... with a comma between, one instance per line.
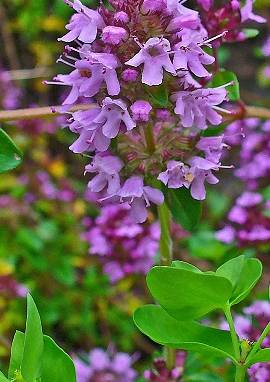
x=223, y=77
x=154, y=322
x=188, y=295
x=183, y=265
x=185, y=210
x=3, y=378
x=250, y=32
x=57, y=366
x=158, y=94
x=243, y=273
x=16, y=354
x=10, y=155
x=33, y=343
x=262, y=355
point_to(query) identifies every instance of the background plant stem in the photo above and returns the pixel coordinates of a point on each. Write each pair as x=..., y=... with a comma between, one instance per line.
x=166, y=257
x=45, y=112
x=164, y=216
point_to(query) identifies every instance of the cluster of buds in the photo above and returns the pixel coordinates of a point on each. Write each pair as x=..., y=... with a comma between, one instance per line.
x=228, y=16
x=144, y=68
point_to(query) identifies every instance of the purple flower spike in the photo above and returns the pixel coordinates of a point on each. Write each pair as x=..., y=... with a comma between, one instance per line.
x=84, y=25
x=141, y=111
x=198, y=106
x=105, y=368
x=175, y=175
x=139, y=197
x=154, y=55
x=108, y=168
x=113, y=115
x=114, y=35
x=202, y=172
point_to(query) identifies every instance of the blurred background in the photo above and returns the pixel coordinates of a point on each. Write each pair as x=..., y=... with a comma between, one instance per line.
x=79, y=261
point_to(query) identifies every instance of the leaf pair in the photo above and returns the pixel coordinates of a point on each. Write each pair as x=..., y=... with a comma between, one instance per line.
x=37, y=356
x=186, y=294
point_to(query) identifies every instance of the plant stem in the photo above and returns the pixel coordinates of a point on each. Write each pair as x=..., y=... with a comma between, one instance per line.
x=164, y=215
x=240, y=369
x=259, y=342
x=240, y=374
x=166, y=257
x=234, y=336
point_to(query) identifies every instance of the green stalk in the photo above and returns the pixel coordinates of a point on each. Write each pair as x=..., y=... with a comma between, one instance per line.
x=240, y=369
x=166, y=257
x=164, y=215
x=240, y=374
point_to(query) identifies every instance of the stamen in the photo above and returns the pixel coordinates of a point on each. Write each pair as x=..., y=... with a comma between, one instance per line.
x=213, y=38
x=222, y=110
x=65, y=62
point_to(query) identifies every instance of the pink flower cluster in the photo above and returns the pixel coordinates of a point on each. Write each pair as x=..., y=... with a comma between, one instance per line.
x=104, y=367
x=249, y=220
x=148, y=98
x=124, y=247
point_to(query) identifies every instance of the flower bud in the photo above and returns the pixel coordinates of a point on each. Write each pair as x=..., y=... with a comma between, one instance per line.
x=141, y=110
x=114, y=35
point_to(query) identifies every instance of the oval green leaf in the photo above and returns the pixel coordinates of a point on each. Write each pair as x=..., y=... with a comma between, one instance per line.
x=154, y=322
x=187, y=295
x=243, y=273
